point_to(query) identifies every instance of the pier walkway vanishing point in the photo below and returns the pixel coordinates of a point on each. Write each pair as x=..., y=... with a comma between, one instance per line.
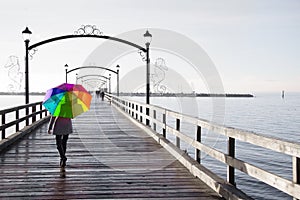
x=108, y=157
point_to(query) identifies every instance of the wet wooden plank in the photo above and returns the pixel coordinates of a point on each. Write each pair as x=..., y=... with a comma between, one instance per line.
x=108, y=157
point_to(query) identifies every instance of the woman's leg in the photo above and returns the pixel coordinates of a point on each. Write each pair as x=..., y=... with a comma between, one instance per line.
x=60, y=148
x=64, y=143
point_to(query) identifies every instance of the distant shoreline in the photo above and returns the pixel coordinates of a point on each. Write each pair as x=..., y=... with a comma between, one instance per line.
x=188, y=95
x=22, y=93
x=152, y=94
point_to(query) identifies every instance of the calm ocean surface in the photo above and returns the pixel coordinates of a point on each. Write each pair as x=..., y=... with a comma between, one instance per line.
x=266, y=114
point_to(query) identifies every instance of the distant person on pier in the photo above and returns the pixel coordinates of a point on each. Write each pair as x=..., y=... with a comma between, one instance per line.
x=61, y=127
x=97, y=93
x=102, y=95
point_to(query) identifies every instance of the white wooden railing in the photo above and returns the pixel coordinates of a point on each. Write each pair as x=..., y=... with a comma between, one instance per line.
x=153, y=116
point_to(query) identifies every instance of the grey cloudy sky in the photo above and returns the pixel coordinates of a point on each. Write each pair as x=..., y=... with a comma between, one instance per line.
x=254, y=44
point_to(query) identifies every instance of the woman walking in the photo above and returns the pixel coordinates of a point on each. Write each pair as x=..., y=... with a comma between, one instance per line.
x=61, y=127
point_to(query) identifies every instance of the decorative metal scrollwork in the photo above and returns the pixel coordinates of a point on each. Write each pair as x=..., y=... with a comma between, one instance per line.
x=88, y=30
x=14, y=73
x=31, y=53
x=158, y=75
x=143, y=55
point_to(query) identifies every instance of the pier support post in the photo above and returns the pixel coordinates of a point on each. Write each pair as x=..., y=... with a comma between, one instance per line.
x=17, y=124
x=231, y=152
x=133, y=110
x=33, y=109
x=41, y=108
x=178, y=129
x=3, y=122
x=296, y=171
x=136, y=112
x=165, y=125
x=141, y=112
x=148, y=114
x=198, y=139
x=154, y=117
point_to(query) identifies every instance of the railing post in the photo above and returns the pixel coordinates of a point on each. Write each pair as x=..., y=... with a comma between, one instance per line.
x=17, y=117
x=296, y=171
x=33, y=111
x=231, y=153
x=41, y=108
x=129, y=105
x=178, y=129
x=147, y=113
x=141, y=112
x=136, y=111
x=132, y=111
x=198, y=139
x=154, y=117
x=27, y=113
x=165, y=124
x=3, y=122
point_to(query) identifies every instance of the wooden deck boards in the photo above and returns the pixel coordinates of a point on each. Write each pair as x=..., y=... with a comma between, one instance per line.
x=108, y=158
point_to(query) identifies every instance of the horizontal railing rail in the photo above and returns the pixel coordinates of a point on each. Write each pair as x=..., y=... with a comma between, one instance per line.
x=31, y=111
x=138, y=111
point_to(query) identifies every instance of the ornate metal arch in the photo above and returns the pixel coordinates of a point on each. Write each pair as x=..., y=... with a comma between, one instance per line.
x=89, y=67
x=93, y=75
x=87, y=31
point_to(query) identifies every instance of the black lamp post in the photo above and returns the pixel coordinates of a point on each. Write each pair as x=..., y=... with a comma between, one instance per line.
x=66, y=68
x=26, y=36
x=148, y=38
x=109, y=79
x=118, y=66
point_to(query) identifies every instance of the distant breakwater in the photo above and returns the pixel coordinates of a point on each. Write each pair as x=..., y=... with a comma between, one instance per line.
x=187, y=95
x=152, y=94
x=22, y=93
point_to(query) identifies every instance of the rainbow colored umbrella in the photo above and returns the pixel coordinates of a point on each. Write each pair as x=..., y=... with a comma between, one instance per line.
x=67, y=100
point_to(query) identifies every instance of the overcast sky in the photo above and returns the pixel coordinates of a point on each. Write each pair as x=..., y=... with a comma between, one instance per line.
x=254, y=44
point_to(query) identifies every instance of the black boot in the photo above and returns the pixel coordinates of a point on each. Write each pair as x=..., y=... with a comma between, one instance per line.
x=63, y=162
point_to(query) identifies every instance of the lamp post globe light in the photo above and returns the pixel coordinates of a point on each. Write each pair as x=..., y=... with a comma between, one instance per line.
x=66, y=68
x=26, y=37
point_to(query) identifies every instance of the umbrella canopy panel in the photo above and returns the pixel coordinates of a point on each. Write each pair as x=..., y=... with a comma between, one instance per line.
x=67, y=100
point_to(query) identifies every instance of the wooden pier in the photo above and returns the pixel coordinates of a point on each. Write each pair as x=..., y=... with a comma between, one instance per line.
x=119, y=149
x=108, y=158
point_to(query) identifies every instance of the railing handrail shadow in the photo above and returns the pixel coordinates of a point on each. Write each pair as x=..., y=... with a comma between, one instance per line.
x=137, y=110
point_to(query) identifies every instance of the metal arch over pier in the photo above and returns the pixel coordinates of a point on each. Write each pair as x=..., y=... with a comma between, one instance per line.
x=99, y=80
x=87, y=36
x=99, y=67
x=86, y=31
x=100, y=76
x=93, y=75
x=92, y=67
